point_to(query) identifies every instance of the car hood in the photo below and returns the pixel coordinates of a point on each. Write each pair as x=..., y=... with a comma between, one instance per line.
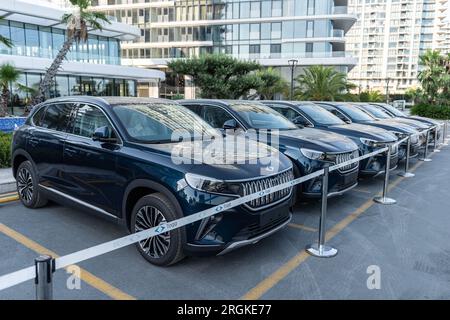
x=393, y=125
x=317, y=139
x=364, y=131
x=424, y=119
x=205, y=157
x=413, y=123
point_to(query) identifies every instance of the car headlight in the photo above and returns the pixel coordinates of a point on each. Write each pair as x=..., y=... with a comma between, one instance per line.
x=415, y=139
x=210, y=185
x=313, y=154
x=399, y=135
x=372, y=143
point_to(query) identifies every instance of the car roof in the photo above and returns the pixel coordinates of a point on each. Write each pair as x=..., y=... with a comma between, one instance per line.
x=287, y=103
x=224, y=102
x=110, y=100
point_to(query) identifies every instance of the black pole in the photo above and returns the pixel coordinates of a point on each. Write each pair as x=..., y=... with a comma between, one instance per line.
x=292, y=82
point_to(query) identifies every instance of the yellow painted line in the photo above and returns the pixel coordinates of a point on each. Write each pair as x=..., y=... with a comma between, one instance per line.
x=362, y=190
x=302, y=227
x=86, y=276
x=8, y=194
x=9, y=199
x=265, y=285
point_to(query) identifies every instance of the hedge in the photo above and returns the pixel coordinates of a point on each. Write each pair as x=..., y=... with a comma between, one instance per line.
x=431, y=111
x=5, y=150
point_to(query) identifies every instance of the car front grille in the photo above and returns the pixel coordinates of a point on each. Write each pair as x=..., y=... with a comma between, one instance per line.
x=254, y=186
x=343, y=157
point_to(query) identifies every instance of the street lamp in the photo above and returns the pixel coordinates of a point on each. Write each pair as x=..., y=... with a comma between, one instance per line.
x=387, y=89
x=292, y=64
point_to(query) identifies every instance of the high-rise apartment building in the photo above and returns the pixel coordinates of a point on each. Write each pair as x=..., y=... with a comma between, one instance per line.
x=269, y=31
x=389, y=37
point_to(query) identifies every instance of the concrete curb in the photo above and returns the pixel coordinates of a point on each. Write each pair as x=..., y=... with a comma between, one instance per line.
x=7, y=181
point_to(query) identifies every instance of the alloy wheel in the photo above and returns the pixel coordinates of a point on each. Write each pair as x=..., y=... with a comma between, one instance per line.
x=146, y=218
x=25, y=184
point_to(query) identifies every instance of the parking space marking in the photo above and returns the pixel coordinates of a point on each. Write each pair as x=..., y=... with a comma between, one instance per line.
x=9, y=198
x=85, y=275
x=265, y=285
x=362, y=190
x=302, y=227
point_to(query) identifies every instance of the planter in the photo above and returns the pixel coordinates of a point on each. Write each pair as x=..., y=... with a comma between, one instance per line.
x=8, y=124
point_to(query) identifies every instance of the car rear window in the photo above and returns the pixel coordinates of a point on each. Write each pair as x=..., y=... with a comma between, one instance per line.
x=56, y=117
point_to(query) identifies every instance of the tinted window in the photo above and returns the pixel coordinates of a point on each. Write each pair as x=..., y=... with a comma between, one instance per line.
x=339, y=114
x=196, y=109
x=216, y=116
x=376, y=112
x=56, y=117
x=88, y=119
x=262, y=117
x=393, y=110
x=355, y=114
x=157, y=122
x=37, y=118
x=287, y=112
x=320, y=115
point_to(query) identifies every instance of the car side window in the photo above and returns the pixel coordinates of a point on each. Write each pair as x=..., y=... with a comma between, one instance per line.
x=56, y=117
x=216, y=116
x=38, y=116
x=88, y=119
x=287, y=112
x=339, y=114
x=196, y=109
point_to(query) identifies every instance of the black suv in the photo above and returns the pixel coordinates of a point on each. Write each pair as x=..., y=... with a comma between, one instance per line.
x=114, y=156
x=369, y=139
x=309, y=149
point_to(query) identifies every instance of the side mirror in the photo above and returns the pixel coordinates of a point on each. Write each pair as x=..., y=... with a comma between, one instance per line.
x=103, y=134
x=230, y=124
x=348, y=121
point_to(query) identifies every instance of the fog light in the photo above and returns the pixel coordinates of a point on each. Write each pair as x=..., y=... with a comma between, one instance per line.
x=375, y=166
x=317, y=186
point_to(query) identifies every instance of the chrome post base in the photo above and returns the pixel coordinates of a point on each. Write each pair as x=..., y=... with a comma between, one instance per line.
x=321, y=251
x=425, y=159
x=406, y=174
x=384, y=200
x=436, y=150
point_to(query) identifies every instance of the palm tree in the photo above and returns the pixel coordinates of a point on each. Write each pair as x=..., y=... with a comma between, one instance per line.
x=371, y=96
x=431, y=75
x=319, y=83
x=5, y=41
x=8, y=74
x=77, y=31
x=271, y=84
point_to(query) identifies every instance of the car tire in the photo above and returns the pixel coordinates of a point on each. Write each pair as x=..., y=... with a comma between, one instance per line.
x=28, y=187
x=165, y=249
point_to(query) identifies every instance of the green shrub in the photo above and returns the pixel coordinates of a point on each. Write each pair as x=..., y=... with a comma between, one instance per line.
x=5, y=150
x=431, y=111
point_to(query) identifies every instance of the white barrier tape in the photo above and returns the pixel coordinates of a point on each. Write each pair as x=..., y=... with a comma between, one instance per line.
x=17, y=277
x=26, y=274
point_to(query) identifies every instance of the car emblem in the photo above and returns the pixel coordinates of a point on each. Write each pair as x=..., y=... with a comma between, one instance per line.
x=270, y=168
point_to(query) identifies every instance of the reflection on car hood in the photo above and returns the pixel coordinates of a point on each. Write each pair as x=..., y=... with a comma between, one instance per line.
x=364, y=131
x=317, y=139
x=413, y=123
x=393, y=125
x=207, y=158
x=424, y=119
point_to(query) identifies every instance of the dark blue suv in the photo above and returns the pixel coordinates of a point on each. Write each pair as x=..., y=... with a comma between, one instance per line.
x=114, y=156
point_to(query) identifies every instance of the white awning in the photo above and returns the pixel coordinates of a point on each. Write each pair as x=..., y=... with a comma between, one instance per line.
x=40, y=65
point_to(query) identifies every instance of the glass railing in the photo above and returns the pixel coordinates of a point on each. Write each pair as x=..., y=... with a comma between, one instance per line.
x=338, y=33
x=298, y=55
x=340, y=10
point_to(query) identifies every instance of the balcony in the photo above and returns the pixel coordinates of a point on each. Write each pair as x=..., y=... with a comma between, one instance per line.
x=340, y=10
x=338, y=33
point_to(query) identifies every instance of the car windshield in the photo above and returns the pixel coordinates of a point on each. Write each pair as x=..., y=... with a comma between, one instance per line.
x=262, y=117
x=393, y=110
x=376, y=112
x=355, y=114
x=160, y=122
x=320, y=115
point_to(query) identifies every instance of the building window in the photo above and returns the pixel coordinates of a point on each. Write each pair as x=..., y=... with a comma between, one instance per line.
x=254, y=31
x=254, y=49
x=310, y=29
x=276, y=30
x=309, y=49
x=275, y=49
x=266, y=9
x=277, y=8
x=311, y=7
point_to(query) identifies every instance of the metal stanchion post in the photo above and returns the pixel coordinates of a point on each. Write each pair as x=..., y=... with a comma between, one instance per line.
x=44, y=273
x=407, y=174
x=384, y=199
x=425, y=152
x=444, y=134
x=320, y=249
x=448, y=134
x=435, y=148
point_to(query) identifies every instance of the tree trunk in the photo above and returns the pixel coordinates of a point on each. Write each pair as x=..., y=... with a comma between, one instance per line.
x=4, y=102
x=52, y=71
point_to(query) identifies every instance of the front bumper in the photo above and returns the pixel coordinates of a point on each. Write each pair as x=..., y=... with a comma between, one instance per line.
x=238, y=227
x=375, y=165
x=338, y=183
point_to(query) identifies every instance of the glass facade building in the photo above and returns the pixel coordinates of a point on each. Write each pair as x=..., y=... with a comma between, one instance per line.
x=91, y=68
x=270, y=31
